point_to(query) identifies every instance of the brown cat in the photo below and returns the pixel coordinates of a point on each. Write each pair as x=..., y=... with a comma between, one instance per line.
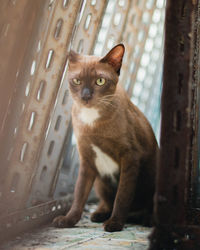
x=116, y=144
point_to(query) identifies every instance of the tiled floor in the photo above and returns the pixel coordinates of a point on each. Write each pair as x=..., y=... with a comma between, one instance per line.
x=86, y=235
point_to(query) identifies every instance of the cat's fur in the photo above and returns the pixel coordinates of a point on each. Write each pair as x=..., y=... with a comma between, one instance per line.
x=116, y=145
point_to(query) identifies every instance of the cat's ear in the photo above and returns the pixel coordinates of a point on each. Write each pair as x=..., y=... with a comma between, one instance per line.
x=73, y=56
x=114, y=57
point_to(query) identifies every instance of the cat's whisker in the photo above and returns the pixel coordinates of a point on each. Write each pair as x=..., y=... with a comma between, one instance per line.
x=105, y=101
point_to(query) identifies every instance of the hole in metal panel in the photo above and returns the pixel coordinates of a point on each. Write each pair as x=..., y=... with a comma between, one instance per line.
x=65, y=96
x=160, y=4
x=117, y=19
x=53, y=208
x=180, y=83
x=183, y=9
x=33, y=67
x=146, y=17
x=58, y=122
x=176, y=157
x=40, y=92
x=141, y=35
x=156, y=16
x=17, y=73
x=49, y=59
x=181, y=44
x=153, y=30
x=65, y=3
x=110, y=42
x=26, y=218
x=27, y=90
x=149, y=4
x=51, y=147
x=121, y=3
x=177, y=120
x=39, y=46
x=10, y=154
x=80, y=46
x=14, y=183
x=23, y=151
x=31, y=121
x=22, y=108
x=149, y=45
x=43, y=173
x=93, y=2
x=87, y=21
x=58, y=28
x=15, y=130
x=6, y=29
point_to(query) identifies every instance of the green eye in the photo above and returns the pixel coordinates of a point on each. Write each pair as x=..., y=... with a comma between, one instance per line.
x=100, y=81
x=76, y=81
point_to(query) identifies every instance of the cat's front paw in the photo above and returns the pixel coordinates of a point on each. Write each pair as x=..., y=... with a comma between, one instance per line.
x=113, y=225
x=64, y=221
x=100, y=216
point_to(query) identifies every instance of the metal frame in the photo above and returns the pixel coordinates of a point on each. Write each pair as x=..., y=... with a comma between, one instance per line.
x=178, y=156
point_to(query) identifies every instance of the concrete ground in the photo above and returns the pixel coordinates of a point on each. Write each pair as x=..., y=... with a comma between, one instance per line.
x=86, y=235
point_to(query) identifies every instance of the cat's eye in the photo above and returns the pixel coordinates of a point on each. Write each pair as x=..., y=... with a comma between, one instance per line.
x=100, y=81
x=76, y=81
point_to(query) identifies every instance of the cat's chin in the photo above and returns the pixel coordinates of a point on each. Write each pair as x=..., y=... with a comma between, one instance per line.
x=87, y=104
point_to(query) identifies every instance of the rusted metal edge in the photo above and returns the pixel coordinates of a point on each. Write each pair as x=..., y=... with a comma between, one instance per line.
x=27, y=219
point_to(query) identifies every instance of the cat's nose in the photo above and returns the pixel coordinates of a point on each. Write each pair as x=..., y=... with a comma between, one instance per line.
x=86, y=94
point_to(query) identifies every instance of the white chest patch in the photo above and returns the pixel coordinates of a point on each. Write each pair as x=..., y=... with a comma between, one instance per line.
x=105, y=165
x=89, y=115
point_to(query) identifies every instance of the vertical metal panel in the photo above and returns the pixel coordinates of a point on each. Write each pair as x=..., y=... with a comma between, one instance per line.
x=21, y=29
x=176, y=130
x=48, y=71
x=52, y=152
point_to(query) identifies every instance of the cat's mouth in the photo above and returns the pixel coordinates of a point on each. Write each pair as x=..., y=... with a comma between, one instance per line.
x=87, y=103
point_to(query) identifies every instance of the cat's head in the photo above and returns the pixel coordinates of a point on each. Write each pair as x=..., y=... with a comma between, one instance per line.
x=92, y=78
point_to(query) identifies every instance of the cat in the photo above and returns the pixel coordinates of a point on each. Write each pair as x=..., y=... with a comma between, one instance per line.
x=116, y=144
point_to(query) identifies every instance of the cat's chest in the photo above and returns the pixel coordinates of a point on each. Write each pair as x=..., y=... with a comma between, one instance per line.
x=105, y=165
x=88, y=116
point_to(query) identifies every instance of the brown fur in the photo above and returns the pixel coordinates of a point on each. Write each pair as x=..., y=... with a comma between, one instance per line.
x=123, y=133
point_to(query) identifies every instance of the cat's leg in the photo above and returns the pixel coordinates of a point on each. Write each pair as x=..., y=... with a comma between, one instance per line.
x=125, y=193
x=83, y=186
x=106, y=195
x=102, y=213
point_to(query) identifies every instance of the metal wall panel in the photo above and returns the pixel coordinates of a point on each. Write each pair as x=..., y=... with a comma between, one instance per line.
x=21, y=29
x=178, y=142
x=52, y=153
x=45, y=73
